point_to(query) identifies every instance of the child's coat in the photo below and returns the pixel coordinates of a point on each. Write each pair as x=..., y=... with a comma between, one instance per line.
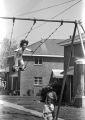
x=48, y=111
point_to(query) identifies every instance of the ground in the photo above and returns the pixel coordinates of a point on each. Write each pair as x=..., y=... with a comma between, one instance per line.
x=29, y=103
x=7, y=113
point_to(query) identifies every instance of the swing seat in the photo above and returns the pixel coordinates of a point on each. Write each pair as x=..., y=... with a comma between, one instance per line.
x=15, y=68
x=18, y=68
x=22, y=68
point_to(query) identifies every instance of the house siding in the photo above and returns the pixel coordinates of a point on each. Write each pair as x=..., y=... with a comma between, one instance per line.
x=44, y=70
x=76, y=53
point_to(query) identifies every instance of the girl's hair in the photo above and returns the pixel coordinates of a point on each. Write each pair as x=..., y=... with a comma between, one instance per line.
x=47, y=99
x=22, y=42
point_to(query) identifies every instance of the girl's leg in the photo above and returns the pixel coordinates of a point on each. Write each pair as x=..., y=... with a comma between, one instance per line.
x=16, y=62
x=50, y=118
x=21, y=64
x=15, y=67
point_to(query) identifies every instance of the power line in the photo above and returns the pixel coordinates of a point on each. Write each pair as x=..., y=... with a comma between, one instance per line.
x=65, y=10
x=42, y=9
x=54, y=16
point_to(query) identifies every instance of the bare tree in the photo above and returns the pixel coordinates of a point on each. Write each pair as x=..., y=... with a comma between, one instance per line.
x=7, y=49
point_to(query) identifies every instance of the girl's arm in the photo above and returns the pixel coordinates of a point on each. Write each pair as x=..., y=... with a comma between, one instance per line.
x=29, y=50
x=44, y=111
x=51, y=107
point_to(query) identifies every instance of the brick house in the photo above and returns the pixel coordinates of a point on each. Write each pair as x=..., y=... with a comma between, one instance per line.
x=76, y=74
x=46, y=63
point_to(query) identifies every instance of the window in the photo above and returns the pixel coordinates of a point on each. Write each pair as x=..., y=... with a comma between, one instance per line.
x=38, y=60
x=38, y=81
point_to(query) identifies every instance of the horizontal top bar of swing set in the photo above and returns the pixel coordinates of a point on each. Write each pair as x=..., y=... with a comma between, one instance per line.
x=44, y=20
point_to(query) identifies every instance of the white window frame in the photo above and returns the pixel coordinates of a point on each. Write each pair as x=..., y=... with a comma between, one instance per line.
x=38, y=60
x=38, y=81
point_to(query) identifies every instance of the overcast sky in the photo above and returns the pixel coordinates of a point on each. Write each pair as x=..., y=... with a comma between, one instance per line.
x=57, y=9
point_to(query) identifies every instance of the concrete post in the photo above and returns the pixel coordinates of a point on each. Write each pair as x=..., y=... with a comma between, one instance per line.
x=79, y=76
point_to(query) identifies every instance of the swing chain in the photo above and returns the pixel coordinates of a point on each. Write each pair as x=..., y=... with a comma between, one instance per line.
x=30, y=28
x=34, y=21
x=11, y=34
x=13, y=20
x=61, y=22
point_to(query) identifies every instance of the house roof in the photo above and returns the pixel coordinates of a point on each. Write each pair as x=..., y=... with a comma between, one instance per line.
x=47, y=48
x=76, y=40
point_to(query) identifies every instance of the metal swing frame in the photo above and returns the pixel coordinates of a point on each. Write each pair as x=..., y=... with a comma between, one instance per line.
x=74, y=32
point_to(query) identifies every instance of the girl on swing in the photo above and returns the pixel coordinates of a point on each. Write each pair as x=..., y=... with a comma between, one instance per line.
x=18, y=59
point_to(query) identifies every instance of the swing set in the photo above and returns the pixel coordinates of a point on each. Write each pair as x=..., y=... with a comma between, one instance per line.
x=76, y=28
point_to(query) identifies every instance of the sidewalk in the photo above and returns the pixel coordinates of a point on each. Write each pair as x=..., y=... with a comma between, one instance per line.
x=19, y=107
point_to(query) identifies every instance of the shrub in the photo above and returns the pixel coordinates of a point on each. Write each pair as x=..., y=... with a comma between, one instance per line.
x=28, y=92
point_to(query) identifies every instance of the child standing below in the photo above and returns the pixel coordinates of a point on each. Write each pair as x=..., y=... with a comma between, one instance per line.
x=48, y=110
x=19, y=63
